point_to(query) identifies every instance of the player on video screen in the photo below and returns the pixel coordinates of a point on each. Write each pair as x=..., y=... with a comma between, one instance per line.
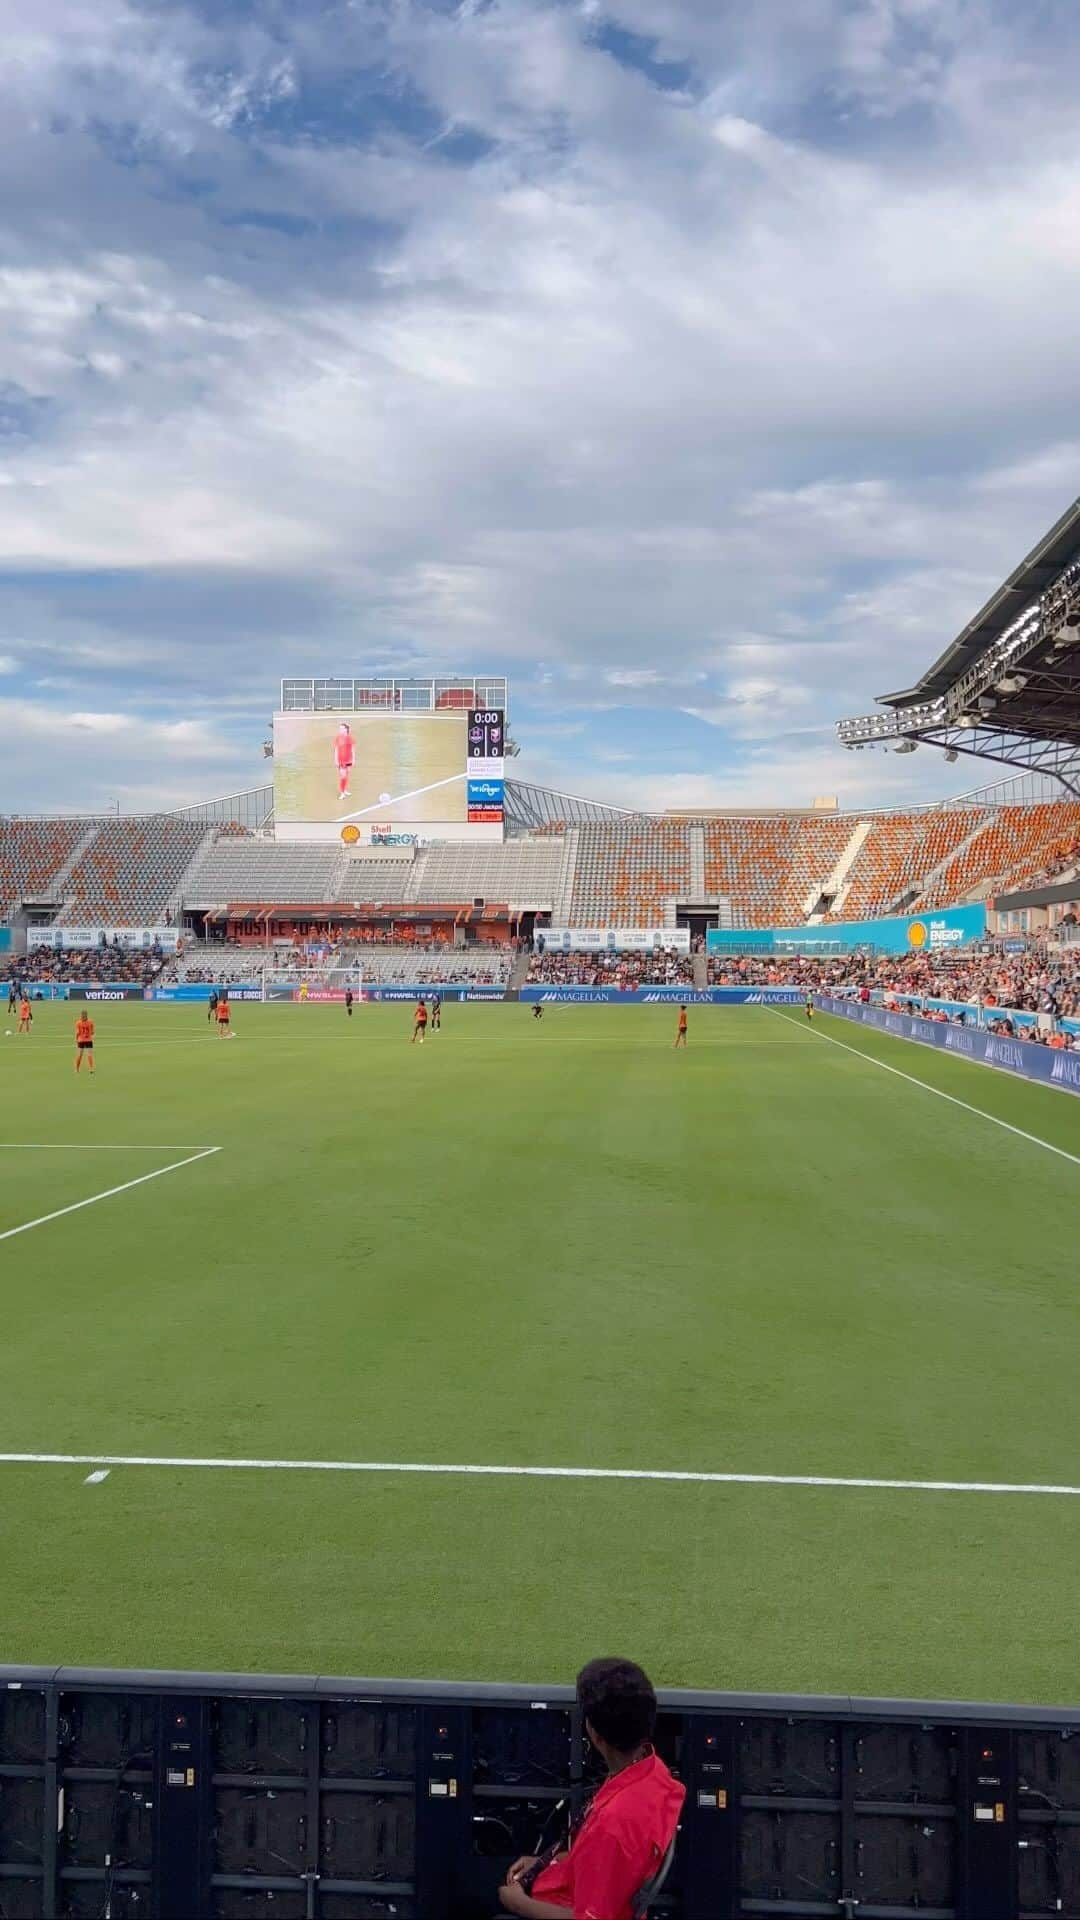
x=344, y=758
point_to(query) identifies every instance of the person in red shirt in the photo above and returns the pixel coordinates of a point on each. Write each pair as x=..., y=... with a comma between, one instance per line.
x=344, y=757
x=629, y=1823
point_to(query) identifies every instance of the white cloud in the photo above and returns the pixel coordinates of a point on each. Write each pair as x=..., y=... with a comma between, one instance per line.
x=734, y=387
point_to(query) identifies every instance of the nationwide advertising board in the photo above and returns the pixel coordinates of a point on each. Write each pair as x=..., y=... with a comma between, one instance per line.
x=389, y=778
x=1052, y=1066
x=944, y=932
x=613, y=939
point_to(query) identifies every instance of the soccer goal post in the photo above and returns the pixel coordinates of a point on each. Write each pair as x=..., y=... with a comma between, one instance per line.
x=284, y=980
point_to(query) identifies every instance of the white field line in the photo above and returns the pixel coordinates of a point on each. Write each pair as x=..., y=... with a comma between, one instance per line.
x=980, y=1112
x=125, y=1187
x=96, y=1146
x=673, y=1475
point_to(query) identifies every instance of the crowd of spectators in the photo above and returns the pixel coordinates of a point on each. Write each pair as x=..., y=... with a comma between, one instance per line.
x=663, y=968
x=102, y=966
x=1034, y=981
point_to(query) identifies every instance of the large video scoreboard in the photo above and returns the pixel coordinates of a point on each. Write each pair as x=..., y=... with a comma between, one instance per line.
x=390, y=774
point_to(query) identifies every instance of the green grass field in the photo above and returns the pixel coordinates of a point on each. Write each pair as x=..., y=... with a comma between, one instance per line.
x=554, y=1244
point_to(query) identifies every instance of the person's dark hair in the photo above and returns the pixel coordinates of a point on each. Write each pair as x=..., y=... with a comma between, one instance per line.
x=618, y=1701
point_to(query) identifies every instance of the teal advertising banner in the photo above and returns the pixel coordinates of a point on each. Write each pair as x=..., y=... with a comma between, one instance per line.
x=942, y=932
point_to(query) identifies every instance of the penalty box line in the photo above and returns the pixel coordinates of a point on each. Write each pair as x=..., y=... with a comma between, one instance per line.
x=640, y=1474
x=109, y=1193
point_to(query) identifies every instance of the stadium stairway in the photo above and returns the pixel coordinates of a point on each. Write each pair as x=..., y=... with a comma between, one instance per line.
x=519, y=972
x=64, y=873
x=189, y=877
x=836, y=884
x=564, y=890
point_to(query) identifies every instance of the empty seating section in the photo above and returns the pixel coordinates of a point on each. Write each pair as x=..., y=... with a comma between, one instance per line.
x=375, y=880
x=1016, y=844
x=626, y=872
x=130, y=871
x=771, y=869
x=518, y=873
x=32, y=853
x=899, y=857
x=751, y=861
x=237, y=869
x=1045, y=846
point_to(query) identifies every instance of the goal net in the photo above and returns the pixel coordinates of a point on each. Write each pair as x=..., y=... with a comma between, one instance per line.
x=285, y=980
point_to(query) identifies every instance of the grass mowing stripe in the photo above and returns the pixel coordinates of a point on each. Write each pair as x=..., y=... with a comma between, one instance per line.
x=981, y=1113
x=675, y=1474
x=109, y=1193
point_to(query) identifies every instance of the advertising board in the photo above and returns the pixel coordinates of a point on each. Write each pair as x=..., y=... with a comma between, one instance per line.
x=1055, y=1067
x=685, y=996
x=106, y=993
x=953, y=928
x=613, y=939
x=80, y=939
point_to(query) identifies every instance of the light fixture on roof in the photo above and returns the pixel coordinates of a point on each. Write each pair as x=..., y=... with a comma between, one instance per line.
x=967, y=720
x=951, y=755
x=906, y=746
x=1011, y=683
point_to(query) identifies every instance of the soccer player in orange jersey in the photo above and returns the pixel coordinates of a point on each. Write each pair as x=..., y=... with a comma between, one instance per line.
x=419, y=1024
x=344, y=757
x=84, y=1042
x=224, y=1017
x=680, y=1031
x=26, y=1018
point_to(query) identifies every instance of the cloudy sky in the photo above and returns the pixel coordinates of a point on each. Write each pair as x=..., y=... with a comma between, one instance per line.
x=700, y=366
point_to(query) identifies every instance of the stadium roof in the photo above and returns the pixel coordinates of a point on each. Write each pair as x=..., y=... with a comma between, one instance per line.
x=1023, y=588
x=1008, y=687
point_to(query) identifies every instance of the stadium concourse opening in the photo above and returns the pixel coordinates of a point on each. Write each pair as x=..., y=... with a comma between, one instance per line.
x=751, y=1357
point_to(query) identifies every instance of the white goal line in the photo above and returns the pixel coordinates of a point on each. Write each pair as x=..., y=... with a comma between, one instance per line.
x=641, y=1474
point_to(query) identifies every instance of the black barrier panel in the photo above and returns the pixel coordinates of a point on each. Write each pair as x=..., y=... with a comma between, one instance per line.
x=177, y=1796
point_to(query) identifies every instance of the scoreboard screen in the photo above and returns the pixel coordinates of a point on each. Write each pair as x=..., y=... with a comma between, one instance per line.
x=485, y=760
x=487, y=734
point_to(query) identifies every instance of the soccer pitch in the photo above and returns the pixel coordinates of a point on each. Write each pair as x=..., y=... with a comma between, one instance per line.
x=538, y=1244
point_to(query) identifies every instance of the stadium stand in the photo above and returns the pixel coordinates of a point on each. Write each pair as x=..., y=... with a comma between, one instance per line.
x=523, y=872
x=610, y=970
x=1015, y=846
x=33, y=853
x=777, y=870
x=375, y=880
x=237, y=867
x=130, y=871
x=437, y=965
x=774, y=870
x=627, y=870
